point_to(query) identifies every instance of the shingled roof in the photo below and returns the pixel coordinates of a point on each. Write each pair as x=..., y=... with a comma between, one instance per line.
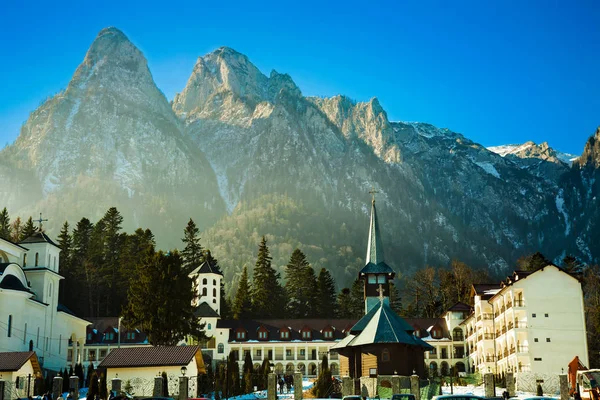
x=139, y=357
x=205, y=310
x=39, y=237
x=206, y=268
x=13, y=361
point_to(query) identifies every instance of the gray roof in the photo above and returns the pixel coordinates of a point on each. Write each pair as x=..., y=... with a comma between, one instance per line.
x=384, y=326
x=374, y=262
x=206, y=268
x=205, y=310
x=39, y=237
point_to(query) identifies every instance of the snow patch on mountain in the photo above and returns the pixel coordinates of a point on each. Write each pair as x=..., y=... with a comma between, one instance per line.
x=488, y=167
x=510, y=148
x=560, y=206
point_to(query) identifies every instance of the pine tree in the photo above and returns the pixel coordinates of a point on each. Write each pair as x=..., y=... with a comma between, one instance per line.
x=164, y=311
x=28, y=230
x=192, y=253
x=395, y=300
x=247, y=384
x=343, y=304
x=268, y=295
x=326, y=303
x=300, y=286
x=65, y=241
x=113, y=242
x=265, y=370
x=323, y=386
x=94, y=387
x=17, y=228
x=5, y=227
x=242, y=304
x=86, y=274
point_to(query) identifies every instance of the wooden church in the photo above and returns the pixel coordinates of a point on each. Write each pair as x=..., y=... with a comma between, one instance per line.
x=381, y=342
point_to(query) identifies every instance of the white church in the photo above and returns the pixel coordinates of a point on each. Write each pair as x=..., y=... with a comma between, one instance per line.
x=31, y=318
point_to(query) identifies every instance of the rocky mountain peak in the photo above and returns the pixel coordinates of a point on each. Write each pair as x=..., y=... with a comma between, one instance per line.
x=591, y=152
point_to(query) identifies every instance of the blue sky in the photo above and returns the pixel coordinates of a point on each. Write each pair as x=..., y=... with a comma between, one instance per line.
x=497, y=71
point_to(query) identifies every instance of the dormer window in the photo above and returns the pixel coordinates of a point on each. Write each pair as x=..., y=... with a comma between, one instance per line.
x=262, y=335
x=306, y=335
x=240, y=335
x=328, y=334
x=284, y=334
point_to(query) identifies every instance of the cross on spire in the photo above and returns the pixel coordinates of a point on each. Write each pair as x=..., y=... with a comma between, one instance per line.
x=380, y=290
x=39, y=221
x=372, y=193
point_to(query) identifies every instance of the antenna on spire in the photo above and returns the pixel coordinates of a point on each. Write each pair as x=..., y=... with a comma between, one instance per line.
x=372, y=193
x=39, y=221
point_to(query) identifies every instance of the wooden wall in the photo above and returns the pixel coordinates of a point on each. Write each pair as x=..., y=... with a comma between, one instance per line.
x=369, y=361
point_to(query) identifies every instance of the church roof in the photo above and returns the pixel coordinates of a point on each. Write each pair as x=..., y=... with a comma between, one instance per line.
x=39, y=237
x=206, y=268
x=460, y=307
x=205, y=310
x=374, y=262
x=11, y=282
x=384, y=326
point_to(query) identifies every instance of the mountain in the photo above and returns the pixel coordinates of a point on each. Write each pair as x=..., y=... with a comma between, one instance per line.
x=111, y=138
x=541, y=160
x=245, y=154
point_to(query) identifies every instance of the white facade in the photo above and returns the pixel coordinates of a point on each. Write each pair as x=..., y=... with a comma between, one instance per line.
x=208, y=286
x=34, y=321
x=534, y=323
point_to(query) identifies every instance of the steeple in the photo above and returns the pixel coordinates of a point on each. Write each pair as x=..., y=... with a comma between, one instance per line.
x=374, y=247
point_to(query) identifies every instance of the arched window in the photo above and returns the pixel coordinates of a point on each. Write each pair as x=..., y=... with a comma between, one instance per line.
x=209, y=326
x=214, y=292
x=48, y=264
x=9, y=325
x=203, y=291
x=215, y=282
x=215, y=301
x=204, y=281
x=385, y=355
x=220, y=348
x=37, y=259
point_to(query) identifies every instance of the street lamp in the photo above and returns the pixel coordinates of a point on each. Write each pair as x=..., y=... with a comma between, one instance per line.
x=183, y=370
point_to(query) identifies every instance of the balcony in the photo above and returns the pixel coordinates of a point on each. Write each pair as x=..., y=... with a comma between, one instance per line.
x=433, y=356
x=488, y=316
x=509, y=305
x=522, y=349
x=519, y=303
x=512, y=350
x=301, y=357
x=488, y=336
x=458, y=338
x=520, y=324
x=489, y=359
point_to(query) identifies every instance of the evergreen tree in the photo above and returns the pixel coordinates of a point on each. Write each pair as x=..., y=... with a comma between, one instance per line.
x=28, y=230
x=165, y=384
x=192, y=253
x=17, y=228
x=265, y=370
x=103, y=387
x=323, y=385
x=532, y=262
x=268, y=295
x=247, y=383
x=164, y=311
x=90, y=373
x=65, y=242
x=395, y=300
x=5, y=227
x=112, y=248
x=357, y=299
x=242, y=304
x=300, y=286
x=86, y=274
x=343, y=304
x=326, y=305
x=93, y=386
x=79, y=372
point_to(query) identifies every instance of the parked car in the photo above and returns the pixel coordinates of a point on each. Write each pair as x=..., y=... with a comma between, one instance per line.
x=403, y=396
x=458, y=397
x=352, y=398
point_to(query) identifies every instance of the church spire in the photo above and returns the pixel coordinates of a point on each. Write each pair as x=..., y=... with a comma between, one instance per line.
x=374, y=246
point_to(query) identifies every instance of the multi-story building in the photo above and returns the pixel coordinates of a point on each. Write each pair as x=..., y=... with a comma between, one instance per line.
x=531, y=322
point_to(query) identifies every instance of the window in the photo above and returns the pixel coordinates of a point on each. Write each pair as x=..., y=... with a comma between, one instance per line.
x=241, y=335
x=92, y=355
x=535, y=340
x=288, y=352
x=215, y=282
x=204, y=281
x=47, y=348
x=209, y=326
x=220, y=348
x=262, y=335
x=537, y=359
x=385, y=355
x=89, y=337
x=204, y=292
x=24, y=260
x=302, y=352
x=380, y=278
x=548, y=340
x=533, y=315
x=9, y=326
x=546, y=315
x=372, y=279
x=285, y=335
x=258, y=352
x=214, y=292
x=215, y=302
x=418, y=333
x=328, y=334
x=305, y=334
x=102, y=354
x=37, y=257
